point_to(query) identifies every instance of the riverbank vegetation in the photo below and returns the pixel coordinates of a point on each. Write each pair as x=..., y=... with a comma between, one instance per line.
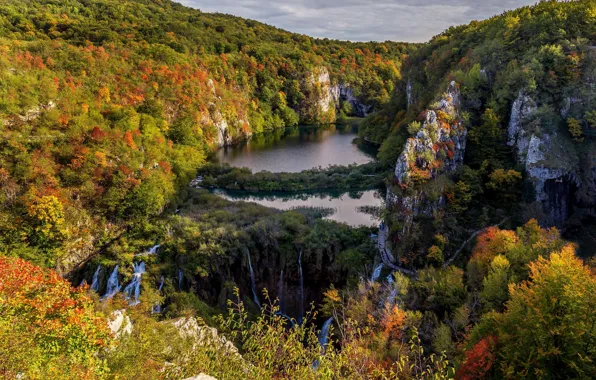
x=335, y=177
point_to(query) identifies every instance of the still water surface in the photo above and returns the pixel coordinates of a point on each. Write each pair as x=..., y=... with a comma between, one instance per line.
x=302, y=148
x=346, y=206
x=297, y=149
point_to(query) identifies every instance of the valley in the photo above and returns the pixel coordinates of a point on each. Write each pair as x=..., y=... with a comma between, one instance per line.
x=194, y=195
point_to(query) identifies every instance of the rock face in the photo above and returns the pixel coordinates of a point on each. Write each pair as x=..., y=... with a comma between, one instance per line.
x=439, y=145
x=119, y=323
x=227, y=129
x=318, y=105
x=190, y=328
x=409, y=93
x=201, y=376
x=344, y=93
x=323, y=98
x=549, y=159
x=438, y=148
x=224, y=134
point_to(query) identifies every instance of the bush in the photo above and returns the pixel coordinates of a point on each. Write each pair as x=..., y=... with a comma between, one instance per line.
x=48, y=329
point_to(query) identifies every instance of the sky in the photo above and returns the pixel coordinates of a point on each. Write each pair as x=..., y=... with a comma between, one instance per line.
x=362, y=20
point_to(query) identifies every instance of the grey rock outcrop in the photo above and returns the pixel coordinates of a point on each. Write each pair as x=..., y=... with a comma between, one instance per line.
x=224, y=135
x=439, y=145
x=438, y=148
x=119, y=323
x=203, y=335
x=523, y=107
x=549, y=158
x=201, y=376
x=327, y=97
x=410, y=93
x=343, y=93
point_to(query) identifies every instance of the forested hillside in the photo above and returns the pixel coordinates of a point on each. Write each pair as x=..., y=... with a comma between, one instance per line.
x=108, y=108
x=526, y=98
x=480, y=268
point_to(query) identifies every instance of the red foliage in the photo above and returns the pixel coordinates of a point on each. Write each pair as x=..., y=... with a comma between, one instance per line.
x=97, y=134
x=479, y=360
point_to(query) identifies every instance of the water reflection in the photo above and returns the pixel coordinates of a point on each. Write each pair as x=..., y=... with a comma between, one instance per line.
x=346, y=206
x=297, y=149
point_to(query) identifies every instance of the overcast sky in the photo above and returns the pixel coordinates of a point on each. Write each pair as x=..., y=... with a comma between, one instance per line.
x=362, y=20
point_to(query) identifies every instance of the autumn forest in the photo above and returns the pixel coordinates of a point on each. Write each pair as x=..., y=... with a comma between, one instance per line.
x=131, y=249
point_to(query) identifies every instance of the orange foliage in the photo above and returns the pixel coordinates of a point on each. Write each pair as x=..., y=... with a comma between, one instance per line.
x=493, y=242
x=394, y=322
x=479, y=360
x=52, y=316
x=129, y=140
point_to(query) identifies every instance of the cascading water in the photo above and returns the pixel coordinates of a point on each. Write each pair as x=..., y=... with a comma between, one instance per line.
x=151, y=251
x=113, y=286
x=157, y=307
x=95, y=281
x=391, y=298
x=390, y=301
x=301, y=287
x=324, y=334
x=323, y=340
x=376, y=273
x=180, y=278
x=133, y=290
x=252, y=281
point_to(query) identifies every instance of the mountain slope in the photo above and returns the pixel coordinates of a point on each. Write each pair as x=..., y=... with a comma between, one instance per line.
x=527, y=81
x=109, y=107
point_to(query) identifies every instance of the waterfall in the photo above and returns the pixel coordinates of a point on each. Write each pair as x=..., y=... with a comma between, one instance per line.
x=95, y=281
x=376, y=273
x=324, y=334
x=151, y=251
x=323, y=340
x=301, y=287
x=394, y=291
x=180, y=278
x=133, y=290
x=391, y=298
x=157, y=307
x=113, y=286
x=252, y=281
x=280, y=289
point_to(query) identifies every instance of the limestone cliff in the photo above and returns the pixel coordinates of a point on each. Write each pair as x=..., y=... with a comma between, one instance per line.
x=562, y=180
x=226, y=129
x=342, y=92
x=323, y=98
x=436, y=149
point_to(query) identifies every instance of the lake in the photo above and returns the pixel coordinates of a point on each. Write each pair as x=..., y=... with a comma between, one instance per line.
x=302, y=148
x=297, y=149
x=346, y=206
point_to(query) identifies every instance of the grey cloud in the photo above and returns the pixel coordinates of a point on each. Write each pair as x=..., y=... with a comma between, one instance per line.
x=362, y=20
